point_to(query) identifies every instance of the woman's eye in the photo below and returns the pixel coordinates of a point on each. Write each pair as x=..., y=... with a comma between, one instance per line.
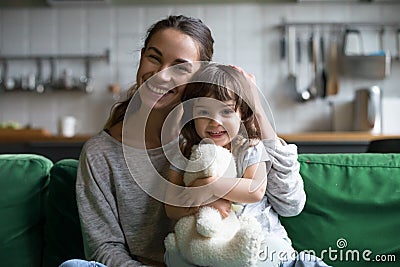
x=227, y=112
x=183, y=68
x=154, y=58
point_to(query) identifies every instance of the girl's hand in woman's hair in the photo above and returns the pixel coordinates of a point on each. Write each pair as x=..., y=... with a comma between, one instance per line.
x=262, y=123
x=253, y=85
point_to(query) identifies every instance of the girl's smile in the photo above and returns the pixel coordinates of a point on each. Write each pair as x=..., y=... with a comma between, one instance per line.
x=216, y=120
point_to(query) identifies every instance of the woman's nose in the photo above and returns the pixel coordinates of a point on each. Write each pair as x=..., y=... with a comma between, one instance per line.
x=164, y=73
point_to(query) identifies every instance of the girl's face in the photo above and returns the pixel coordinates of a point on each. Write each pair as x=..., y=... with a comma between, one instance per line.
x=166, y=48
x=216, y=120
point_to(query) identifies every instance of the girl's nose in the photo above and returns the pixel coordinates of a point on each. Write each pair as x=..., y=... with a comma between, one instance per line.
x=215, y=120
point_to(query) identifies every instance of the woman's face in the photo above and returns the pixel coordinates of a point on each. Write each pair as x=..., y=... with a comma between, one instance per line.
x=166, y=48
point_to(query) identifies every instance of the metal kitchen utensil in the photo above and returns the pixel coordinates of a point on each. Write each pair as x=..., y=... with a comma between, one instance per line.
x=291, y=57
x=294, y=57
x=371, y=66
x=367, y=114
x=324, y=75
x=352, y=42
x=39, y=86
x=8, y=83
x=312, y=90
x=332, y=83
x=398, y=44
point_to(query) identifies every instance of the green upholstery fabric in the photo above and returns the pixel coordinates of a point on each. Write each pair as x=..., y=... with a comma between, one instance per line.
x=63, y=237
x=23, y=182
x=353, y=203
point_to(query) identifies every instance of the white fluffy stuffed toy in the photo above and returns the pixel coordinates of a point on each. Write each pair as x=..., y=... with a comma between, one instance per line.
x=207, y=239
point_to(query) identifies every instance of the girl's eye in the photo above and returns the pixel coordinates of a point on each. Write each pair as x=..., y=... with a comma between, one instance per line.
x=202, y=113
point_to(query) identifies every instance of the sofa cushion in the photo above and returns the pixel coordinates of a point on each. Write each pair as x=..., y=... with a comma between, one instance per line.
x=23, y=182
x=352, y=213
x=63, y=238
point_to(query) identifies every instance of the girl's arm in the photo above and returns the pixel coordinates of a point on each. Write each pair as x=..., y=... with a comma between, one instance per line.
x=248, y=189
x=176, y=212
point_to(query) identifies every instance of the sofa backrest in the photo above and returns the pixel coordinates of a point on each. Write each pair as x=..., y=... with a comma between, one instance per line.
x=23, y=183
x=352, y=213
x=63, y=237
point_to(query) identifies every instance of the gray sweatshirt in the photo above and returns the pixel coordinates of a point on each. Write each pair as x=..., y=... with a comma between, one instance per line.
x=124, y=226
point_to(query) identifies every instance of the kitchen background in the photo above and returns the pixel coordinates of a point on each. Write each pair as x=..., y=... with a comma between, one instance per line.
x=246, y=34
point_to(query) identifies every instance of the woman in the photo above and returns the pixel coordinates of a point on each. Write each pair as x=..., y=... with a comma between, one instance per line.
x=123, y=224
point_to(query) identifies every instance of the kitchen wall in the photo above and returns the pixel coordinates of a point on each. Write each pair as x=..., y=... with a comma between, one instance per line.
x=245, y=35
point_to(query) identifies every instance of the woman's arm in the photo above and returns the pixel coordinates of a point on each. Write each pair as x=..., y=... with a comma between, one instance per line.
x=103, y=237
x=285, y=189
x=175, y=211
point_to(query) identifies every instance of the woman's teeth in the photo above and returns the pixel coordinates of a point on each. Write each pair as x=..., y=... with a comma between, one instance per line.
x=157, y=90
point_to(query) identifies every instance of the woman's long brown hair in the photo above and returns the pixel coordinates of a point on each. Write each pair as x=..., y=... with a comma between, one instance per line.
x=192, y=27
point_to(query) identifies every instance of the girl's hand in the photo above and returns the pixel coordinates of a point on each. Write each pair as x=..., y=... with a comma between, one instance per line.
x=249, y=76
x=253, y=86
x=200, y=192
x=223, y=206
x=263, y=125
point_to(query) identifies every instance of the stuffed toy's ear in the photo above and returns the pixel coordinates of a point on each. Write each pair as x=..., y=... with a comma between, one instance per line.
x=209, y=160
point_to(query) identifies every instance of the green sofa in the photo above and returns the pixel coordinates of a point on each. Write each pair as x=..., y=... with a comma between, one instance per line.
x=351, y=218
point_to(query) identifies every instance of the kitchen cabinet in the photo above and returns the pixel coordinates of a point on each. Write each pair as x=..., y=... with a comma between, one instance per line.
x=39, y=141
x=55, y=151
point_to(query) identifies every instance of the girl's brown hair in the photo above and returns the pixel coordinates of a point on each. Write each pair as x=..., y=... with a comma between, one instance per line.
x=222, y=83
x=192, y=27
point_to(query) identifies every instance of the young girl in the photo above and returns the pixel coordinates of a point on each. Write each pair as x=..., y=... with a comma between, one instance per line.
x=216, y=107
x=216, y=112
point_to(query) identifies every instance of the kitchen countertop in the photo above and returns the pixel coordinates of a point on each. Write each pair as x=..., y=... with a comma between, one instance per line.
x=335, y=137
x=37, y=135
